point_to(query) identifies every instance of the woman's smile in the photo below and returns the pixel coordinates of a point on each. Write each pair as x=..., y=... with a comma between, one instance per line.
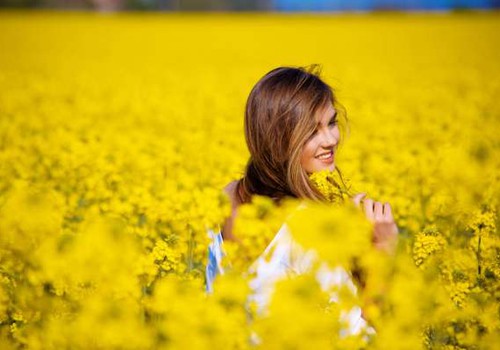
x=326, y=157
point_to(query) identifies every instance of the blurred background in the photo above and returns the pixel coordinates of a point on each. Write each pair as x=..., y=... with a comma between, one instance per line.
x=257, y=5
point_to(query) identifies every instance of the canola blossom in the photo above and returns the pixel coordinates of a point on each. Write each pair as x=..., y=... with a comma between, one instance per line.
x=118, y=133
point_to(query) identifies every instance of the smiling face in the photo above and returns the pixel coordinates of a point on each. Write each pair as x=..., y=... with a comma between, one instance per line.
x=318, y=152
x=281, y=112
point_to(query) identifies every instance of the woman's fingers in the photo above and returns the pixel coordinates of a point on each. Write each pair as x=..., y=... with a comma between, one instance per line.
x=388, y=212
x=358, y=198
x=374, y=211
x=368, y=205
x=378, y=211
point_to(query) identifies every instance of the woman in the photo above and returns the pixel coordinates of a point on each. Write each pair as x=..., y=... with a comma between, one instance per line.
x=292, y=131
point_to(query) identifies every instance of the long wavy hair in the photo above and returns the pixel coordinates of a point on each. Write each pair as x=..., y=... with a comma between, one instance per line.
x=280, y=116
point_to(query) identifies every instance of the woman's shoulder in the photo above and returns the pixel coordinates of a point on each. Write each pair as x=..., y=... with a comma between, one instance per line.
x=230, y=191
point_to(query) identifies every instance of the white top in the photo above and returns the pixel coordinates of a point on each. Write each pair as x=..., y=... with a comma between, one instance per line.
x=282, y=258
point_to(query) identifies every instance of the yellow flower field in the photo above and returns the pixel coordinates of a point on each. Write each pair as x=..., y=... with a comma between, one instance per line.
x=118, y=132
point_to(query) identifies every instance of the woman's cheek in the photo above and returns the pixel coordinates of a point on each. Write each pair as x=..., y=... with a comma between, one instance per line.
x=311, y=156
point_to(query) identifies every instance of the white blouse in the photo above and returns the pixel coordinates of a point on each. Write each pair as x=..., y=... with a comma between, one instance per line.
x=282, y=258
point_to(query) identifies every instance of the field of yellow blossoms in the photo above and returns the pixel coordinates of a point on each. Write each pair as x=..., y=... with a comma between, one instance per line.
x=118, y=132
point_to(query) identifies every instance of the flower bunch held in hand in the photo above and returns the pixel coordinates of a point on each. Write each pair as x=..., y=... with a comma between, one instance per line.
x=334, y=188
x=331, y=185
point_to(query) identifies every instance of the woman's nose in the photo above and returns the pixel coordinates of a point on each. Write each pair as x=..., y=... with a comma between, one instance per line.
x=330, y=137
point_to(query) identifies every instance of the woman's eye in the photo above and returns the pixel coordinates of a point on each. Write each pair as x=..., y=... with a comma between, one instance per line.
x=333, y=122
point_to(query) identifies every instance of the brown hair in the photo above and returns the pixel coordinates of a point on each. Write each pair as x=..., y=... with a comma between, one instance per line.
x=280, y=116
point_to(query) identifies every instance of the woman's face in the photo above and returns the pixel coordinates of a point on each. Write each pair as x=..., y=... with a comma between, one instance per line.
x=319, y=150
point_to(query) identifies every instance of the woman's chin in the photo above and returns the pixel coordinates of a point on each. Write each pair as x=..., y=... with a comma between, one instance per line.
x=330, y=167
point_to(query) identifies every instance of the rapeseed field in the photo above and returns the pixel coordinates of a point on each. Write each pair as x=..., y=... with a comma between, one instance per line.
x=118, y=132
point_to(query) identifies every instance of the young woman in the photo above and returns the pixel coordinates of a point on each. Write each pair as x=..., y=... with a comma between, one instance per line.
x=292, y=131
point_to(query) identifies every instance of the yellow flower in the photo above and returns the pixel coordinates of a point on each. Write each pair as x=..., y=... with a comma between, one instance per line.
x=331, y=185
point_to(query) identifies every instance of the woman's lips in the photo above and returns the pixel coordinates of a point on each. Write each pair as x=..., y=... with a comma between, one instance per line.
x=326, y=157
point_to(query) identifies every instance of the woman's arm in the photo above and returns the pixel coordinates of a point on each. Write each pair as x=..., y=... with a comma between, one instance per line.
x=385, y=239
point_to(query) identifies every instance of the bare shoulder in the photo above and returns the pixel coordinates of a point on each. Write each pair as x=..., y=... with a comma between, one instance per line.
x=230, y=190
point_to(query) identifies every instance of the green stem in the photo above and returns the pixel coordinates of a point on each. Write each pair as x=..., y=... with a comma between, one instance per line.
x=479, y=254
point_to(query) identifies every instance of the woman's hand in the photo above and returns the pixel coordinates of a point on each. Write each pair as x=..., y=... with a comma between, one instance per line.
x=385, y=231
